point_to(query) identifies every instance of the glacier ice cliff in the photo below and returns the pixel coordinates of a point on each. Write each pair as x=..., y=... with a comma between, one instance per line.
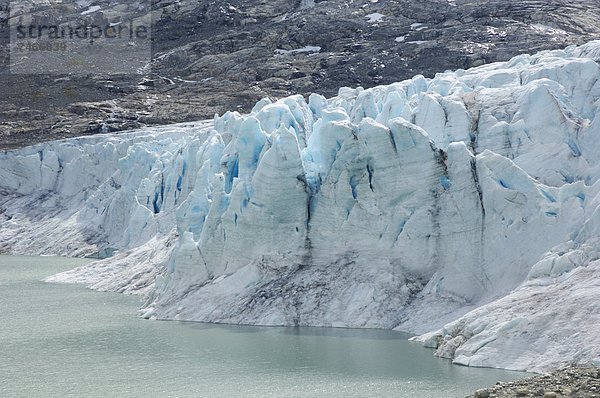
x=465, y=208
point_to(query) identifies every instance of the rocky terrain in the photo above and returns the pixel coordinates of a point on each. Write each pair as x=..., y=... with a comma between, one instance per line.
x=571, y=382
x=213, y=56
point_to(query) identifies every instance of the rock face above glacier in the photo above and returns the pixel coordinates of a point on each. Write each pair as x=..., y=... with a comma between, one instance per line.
x=469, y=200
x=212, y=56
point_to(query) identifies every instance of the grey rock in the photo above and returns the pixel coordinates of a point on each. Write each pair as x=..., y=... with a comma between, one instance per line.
x=483, y=393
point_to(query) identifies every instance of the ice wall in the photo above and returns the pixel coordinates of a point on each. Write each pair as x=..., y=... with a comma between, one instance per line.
x=401, y=206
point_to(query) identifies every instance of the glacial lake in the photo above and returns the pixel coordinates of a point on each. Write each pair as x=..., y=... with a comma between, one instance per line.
x=65, y=340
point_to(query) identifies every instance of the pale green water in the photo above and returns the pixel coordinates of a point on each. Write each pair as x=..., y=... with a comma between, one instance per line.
x=58, y=340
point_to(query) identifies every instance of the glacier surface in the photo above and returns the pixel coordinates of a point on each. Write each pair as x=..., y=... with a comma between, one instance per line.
x=465, y=208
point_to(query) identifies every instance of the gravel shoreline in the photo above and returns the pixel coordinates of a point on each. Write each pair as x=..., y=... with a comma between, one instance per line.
x=571, y=382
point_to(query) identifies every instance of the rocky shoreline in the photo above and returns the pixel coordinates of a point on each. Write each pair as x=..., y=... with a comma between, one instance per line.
x=577, y=382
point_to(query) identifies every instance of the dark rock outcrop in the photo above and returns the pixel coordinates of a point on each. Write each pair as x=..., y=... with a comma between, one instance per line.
x=212, y=56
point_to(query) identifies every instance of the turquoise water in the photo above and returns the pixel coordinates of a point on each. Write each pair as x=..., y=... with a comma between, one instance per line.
x=62, y=340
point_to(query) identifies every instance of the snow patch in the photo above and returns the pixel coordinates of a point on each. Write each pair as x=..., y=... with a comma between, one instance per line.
x=91, y=10
x=303, y=50
x=374, y=17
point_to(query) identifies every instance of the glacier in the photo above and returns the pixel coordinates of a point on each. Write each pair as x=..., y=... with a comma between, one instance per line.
x=464, y=209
